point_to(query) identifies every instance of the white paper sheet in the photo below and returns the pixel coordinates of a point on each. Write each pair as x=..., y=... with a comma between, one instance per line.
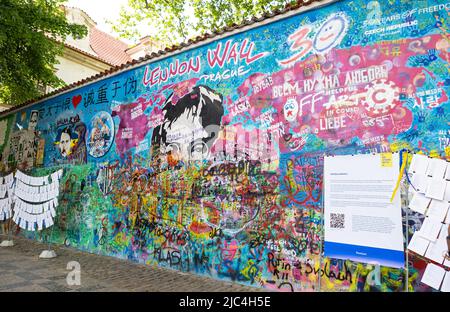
x=54, y=176
x=430, y=229
x=447, y=172
x=438, y=209
x=18, y=175
x=358, y=189
x=436, y=251
x=27, y=197
x=419, y=164
x=436, y=168
x=49, y=221
x=420, y=182
x=433, y=276
x=418, y=244
x=419, y=203
x=446, y=282
x=447, y=192
x=436, y=188
x=39, y=222
x=26, y=179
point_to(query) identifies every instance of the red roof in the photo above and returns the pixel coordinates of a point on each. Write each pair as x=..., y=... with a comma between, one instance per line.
x=108, y=48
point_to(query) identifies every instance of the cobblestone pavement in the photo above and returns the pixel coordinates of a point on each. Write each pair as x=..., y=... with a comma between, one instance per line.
x=22, y=270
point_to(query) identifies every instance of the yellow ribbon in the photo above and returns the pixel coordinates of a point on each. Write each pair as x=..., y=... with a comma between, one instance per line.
x=402, y=169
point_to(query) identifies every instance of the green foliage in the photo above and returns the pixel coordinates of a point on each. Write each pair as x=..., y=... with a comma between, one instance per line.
x=175, y=21
x=31, y=32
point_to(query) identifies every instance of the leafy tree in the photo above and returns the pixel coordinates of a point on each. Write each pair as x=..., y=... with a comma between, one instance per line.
x=31, y=36
x=175, y=21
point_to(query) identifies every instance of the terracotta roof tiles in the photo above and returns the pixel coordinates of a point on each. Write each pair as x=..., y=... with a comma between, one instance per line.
x=107, y=47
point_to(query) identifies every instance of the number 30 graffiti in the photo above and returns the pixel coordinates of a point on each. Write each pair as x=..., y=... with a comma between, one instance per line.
x=330, y=34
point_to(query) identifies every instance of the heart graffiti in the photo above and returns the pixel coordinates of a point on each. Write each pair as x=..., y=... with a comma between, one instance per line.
x=76, y=100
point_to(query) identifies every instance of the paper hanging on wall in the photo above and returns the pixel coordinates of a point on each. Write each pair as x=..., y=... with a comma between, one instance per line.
x=447, y=172
x=430, y=229
x=436, y=168
x=418, y=244
x=420, y=182
x=35, y=201
x=39, y=222
x=436, y=250
x=386, y=159
x=419, y=164
x=446, y=282
x=419, y=203
x=438, y=209
x=49, y=219
x=433, y=276
x=436, y=188
x=447, y=191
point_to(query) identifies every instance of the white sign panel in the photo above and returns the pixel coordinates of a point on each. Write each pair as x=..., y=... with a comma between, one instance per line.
x=361, y=224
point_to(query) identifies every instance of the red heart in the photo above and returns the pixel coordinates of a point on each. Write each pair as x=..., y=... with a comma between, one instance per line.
x=76, y=100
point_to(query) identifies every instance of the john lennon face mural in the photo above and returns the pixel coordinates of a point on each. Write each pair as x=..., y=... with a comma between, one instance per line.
x=191, y=125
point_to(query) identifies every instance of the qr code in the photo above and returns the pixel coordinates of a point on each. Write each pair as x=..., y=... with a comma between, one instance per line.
x=337, y=220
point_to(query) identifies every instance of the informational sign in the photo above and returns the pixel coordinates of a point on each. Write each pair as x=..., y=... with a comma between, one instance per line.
x=361, y=222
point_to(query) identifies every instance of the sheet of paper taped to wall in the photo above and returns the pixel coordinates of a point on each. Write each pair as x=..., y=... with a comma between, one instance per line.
x=430, y=229
x=436, y=168
x=438, y=209
x=386, y=159
x=446, y=282
x=420, y=182
x=436, y=250
x=419, y=164
x=436, y=188
x=418, y=244
x=433, y=276
x=447, y=172
x=419, y=203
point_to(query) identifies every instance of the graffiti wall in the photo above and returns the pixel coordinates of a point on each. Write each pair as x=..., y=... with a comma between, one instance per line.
x=211, y=161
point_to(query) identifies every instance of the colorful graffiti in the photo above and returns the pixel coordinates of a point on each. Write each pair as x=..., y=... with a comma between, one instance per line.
x=211, y=161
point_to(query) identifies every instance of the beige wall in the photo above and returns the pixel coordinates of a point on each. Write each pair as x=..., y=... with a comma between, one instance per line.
x=71, y=71
x=74, y=66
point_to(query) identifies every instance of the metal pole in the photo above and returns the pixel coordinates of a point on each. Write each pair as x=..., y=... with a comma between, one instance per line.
x=407, y=231
x=322, y=231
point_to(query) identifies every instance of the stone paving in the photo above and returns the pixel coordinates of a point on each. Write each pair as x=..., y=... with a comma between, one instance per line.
x=22, y=270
